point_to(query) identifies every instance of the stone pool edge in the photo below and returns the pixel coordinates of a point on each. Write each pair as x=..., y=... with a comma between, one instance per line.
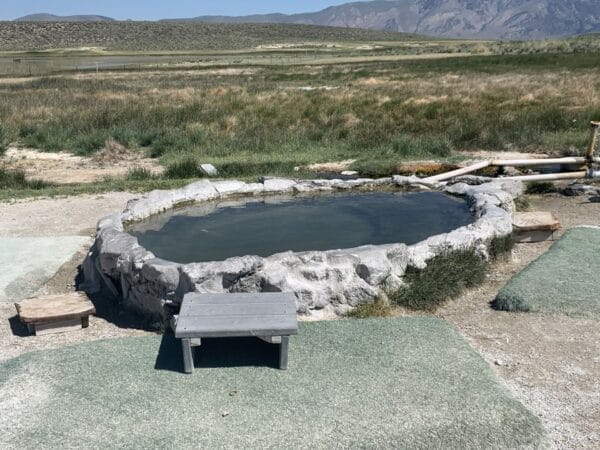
x=325, y=282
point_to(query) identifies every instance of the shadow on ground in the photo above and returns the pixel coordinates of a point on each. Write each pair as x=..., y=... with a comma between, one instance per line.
x=218, y=353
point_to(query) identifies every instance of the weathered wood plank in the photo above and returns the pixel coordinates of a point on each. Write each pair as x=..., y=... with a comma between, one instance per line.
x=240, y=309
x=61, y=326
x=188, y=356
x=242, y=326
x=55, y=307
x=283, y=353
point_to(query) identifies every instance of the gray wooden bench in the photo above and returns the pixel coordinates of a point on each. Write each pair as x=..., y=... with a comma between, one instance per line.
x=268, y=316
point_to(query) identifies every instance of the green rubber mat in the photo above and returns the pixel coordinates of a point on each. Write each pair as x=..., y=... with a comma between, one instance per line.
x=565, y=279
x=402, y=382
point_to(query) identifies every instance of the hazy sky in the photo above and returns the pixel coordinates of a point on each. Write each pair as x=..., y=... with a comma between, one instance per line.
x=158, y=9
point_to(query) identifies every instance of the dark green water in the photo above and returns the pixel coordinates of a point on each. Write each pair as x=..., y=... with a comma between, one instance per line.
x=315, y=223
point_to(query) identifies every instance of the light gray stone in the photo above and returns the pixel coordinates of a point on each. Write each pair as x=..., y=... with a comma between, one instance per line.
x=577, y=189
x=228, y=187
x=208, y=169
x=278, y=185
x=163, y=272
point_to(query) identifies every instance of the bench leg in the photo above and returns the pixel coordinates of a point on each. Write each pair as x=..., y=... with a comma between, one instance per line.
x=188, y=356
x=283, y=352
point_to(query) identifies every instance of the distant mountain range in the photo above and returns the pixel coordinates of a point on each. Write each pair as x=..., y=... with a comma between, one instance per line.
x=52, y=18
x=496, y=19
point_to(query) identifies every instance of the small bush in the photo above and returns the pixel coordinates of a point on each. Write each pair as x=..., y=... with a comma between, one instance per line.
x=90, y=143
x=522, y=203
x=541, y=187
x=245, y=168
x=379, y=308
x=15, y=179
x=187, y=168
x=374, y=168
x=445, y=277
x=501, y=246
x=139, y=174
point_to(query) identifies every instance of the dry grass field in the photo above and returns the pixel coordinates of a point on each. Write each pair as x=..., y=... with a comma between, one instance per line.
x=288, y=101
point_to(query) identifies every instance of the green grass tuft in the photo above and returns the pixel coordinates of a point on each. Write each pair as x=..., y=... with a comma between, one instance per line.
x=184, y=169
x=15, y=179
x=139, y=174
x=445, y=277
x=541, y=187
x=522, y=203
x=379, y=308
x=501, y=246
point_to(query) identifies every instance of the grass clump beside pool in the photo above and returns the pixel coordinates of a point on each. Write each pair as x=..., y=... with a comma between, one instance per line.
x=379, y=308
x=405, y=382
x=15, y=179
x=446, y=276
x=562, y=280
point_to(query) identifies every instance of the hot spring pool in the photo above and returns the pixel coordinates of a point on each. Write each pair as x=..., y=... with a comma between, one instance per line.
x=264, y=227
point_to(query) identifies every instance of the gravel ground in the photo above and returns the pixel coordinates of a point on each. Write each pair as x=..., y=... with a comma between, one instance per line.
x=549, y=362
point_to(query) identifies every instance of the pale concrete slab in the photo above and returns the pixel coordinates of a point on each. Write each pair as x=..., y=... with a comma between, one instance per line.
x=26, y=264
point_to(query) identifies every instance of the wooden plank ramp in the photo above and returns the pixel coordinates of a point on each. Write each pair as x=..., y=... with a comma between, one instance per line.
x=56, y=313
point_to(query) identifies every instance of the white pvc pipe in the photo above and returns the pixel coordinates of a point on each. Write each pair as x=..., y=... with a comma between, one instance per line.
x=550, y=176
x=538, y=162
x=458, y=172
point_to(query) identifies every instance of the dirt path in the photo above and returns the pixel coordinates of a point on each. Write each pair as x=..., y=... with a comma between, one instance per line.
x=549, y=362
x=64, y=168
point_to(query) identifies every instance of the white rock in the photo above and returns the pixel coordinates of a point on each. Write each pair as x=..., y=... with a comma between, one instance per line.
x=278, y=185
x=208, y=170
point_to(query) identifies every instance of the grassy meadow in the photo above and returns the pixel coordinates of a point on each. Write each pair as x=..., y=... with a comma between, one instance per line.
x=380, y=107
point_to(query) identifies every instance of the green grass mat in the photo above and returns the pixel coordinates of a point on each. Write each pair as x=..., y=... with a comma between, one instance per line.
x=405, y=382
x=565, y=279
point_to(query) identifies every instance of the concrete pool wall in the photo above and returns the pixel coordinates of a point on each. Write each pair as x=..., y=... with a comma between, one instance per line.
x=325, y=283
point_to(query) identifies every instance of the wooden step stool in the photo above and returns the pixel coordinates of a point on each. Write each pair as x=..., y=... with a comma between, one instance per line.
x=56, y=313
x=535, y=226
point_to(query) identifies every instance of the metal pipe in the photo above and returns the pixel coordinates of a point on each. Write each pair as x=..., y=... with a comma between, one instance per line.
x=538, y=162
x=550, y=176
x=458, y=172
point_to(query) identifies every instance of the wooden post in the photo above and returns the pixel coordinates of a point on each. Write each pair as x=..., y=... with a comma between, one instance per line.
x=283, y=352
x=188, y=356
x=593, y=143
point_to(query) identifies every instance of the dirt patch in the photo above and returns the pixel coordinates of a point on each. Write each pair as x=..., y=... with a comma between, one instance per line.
x=64, y=168
x=338, y=166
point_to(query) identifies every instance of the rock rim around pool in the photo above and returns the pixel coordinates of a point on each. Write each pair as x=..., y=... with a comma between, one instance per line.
x=326, y=283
